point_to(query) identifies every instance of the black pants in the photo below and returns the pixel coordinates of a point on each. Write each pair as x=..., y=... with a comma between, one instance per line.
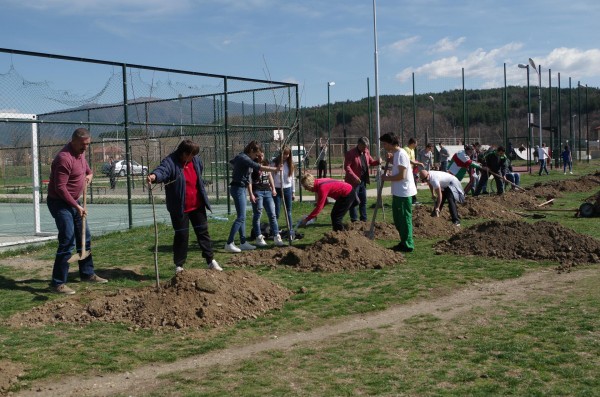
x=483, y=179
x=322, y=169
x=182, y=232
x=340, y=208
x=447, y=195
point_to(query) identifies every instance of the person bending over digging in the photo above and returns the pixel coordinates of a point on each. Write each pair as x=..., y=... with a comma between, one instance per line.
x=186, y=200
x=343, y=193
x=444, y=186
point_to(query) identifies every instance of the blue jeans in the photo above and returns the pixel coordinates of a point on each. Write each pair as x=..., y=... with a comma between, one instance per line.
x=264, y=199
x=514, y=177
x=361, y=193
x=287, y=196
x=238, y=194
x=68, y=223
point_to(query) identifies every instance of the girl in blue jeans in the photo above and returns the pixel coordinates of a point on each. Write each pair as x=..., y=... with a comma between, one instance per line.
x=240, y=179
x=261, y=192
x=285, y=190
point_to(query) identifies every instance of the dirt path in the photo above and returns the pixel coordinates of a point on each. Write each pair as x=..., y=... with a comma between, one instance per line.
x=144, y=379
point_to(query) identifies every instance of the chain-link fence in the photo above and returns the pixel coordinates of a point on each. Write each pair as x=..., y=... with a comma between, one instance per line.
x=137, y=115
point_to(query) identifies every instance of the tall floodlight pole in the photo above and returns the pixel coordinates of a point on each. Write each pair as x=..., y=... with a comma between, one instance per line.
x=376, y=56
x=378, y=128
x=529, y=132
x=539, y=73
x=432, y=99
x=329, y=84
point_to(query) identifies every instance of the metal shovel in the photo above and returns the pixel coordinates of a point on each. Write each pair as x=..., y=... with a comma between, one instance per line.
x=84, y=253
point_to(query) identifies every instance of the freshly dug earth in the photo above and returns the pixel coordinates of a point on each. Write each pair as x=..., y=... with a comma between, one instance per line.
x=520, y=240
x=192, y=299
x=335, y=252
x=9, y=374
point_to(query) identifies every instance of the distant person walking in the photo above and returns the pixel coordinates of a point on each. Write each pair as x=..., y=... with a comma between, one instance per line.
x=567, y=160
x=322, y=159
x=70, y=174
x=543, y=157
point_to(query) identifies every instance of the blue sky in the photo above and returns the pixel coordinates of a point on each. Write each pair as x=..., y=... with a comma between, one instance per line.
x=312, y=42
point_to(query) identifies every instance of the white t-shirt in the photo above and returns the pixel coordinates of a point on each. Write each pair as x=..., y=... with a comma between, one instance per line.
x=542, y=153
x=442, y=180
x=288, y=181
x=406, y=187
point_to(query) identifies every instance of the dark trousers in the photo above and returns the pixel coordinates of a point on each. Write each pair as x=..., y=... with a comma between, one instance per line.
x=483, y=181
x=447, y=195
x=361, y=194
x=68, y=223
x=322, y=169
x=199, y=222
x=340, y=208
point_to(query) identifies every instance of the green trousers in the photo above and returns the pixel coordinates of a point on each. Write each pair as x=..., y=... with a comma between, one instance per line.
x=402, y=212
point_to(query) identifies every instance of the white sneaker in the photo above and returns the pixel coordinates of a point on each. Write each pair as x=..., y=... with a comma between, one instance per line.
x=247, y=247
x=278, y=241
x=232, y=248
x=214, y=266
x=571, y=172
x=260, y=241
x=564, y=173
x=178, y=269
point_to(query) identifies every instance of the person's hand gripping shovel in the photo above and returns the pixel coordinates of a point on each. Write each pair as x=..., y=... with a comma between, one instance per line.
x=84, y=253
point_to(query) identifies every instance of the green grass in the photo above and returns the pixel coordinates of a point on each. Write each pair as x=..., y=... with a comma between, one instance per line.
x=547, y=345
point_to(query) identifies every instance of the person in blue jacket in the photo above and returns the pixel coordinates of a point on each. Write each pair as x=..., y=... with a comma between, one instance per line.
x=186, y=200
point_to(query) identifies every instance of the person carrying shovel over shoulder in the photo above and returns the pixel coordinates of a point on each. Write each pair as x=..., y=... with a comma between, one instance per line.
x=70, y=174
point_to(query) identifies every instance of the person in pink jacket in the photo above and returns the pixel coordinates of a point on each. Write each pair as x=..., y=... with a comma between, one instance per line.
x=356, y=165
x=343, y=193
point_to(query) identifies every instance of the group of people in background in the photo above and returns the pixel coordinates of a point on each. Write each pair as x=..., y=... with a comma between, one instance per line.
x=269, y=186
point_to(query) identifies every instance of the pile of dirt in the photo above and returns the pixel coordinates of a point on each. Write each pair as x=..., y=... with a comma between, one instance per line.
x=554, y=189
x=520, y=240
x=192, y=299
x=337, y=251
x=382, y=230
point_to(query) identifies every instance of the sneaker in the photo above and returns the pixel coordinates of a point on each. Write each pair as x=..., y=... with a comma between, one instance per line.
x=178, y=269
x=278, y=241
x=94, y=278
x=215, y=266
x=247, y=246
x=232, y=248
x=62, y=289
x=571, y=172
x=564, y=173
x=457, y=223
x=260, y=241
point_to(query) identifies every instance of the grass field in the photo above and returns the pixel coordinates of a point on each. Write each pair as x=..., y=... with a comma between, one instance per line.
x=546, y=343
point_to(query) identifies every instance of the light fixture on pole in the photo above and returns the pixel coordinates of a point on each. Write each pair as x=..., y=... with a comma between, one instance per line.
x=329, y=84
x=529, y=132
x=432, y=99
x=532, y=64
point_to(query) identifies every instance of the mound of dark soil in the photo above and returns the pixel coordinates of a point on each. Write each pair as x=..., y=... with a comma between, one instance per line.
x=335, y=252
x=194, y=298
x=520, y=240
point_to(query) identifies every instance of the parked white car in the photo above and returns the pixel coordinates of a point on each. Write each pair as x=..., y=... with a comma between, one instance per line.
x=120, y=168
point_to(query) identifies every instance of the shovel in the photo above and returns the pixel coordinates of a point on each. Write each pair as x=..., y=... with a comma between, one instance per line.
x=84, y=254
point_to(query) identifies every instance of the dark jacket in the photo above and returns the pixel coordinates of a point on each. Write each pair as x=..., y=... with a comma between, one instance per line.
x=170, y=173
x=495, y=162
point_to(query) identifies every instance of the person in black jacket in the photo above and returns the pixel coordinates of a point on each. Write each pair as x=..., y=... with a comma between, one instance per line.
x=493, y=161
x=186, y=200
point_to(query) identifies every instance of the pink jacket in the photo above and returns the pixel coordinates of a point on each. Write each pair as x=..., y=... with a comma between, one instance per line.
x=353, y=166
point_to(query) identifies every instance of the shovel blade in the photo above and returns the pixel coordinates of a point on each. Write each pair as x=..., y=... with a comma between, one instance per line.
x=78, y=257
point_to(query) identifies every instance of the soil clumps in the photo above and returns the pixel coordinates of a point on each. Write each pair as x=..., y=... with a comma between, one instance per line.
x=540, y=241
x=194, y=298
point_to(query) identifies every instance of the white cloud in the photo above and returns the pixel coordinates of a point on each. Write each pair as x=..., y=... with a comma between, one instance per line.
x=403, y=45
x=572, y=61
x=479, y=63
x=446, y=45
